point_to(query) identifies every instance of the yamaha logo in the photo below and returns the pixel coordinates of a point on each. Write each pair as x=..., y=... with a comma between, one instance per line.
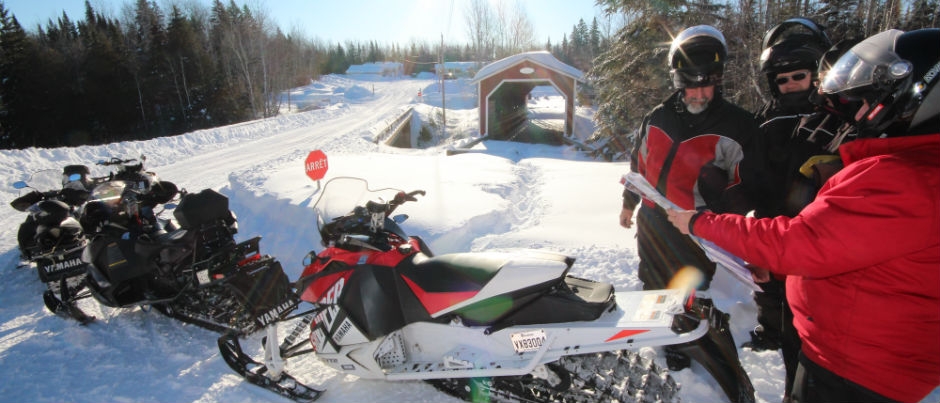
x=274, y=314
x=62, y=266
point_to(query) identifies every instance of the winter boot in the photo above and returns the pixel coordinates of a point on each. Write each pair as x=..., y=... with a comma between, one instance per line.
x=762, y=341
x=717, y=352
x=676, y=359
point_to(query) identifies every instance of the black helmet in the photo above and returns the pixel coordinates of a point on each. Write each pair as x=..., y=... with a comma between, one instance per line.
x=795, y=44
x=697, y=57
x=896, y=74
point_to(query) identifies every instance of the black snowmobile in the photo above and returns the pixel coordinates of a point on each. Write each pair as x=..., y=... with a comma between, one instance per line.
x=190, y=268
x=51, y=236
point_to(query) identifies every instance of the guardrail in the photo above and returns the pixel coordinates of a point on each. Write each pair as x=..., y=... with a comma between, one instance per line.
x=393, y=130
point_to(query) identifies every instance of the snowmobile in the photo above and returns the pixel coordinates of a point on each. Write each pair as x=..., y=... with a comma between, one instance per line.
x=189, y=267
x=51, y=237
x=497, y=326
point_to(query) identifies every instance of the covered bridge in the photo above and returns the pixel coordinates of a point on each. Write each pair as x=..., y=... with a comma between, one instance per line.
x=504, y=85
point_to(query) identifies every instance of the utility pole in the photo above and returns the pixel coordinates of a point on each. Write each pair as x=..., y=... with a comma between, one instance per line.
x=443, y=77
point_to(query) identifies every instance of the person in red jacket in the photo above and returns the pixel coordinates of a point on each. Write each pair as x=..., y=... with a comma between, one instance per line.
x=865, y=285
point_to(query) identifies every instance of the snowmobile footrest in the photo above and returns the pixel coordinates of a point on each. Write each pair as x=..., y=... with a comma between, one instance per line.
x=254, y=372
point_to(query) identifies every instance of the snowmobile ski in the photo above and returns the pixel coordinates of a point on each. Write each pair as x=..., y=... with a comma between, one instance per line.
x=67, y=310
x=254, y=372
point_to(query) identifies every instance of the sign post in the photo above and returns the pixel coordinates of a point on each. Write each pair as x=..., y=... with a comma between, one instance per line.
x=316, y=166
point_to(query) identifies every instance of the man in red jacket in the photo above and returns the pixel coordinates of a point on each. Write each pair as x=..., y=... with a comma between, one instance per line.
x=865, y=284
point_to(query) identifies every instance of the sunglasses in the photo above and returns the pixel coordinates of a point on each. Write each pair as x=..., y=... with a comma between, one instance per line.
x=785, y=79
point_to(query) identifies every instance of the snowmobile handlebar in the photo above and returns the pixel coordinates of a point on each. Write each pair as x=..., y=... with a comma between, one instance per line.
x=115, y=161
x=72, y=197
x=22, y=203
x=365, y=220
x=402, y=197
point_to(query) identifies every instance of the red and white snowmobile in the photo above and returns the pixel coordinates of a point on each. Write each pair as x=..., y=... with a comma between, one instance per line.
x=507, y=326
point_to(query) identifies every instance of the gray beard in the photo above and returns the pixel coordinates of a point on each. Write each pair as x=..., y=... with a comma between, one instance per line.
x=696, y=109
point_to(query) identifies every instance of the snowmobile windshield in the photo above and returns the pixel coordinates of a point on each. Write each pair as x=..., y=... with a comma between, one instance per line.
x=45, y=180
x=109, y=193
x=341, y=196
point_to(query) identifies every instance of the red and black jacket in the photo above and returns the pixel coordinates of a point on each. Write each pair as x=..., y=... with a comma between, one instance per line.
x=695, y=160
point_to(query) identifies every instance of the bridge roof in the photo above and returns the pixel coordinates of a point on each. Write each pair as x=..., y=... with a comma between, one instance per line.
x=540, y=57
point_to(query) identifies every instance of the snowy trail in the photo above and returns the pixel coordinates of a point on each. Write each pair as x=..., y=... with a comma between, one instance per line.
x=292, y=137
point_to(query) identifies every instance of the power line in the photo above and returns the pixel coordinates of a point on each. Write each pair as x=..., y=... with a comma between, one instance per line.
x=416, y=62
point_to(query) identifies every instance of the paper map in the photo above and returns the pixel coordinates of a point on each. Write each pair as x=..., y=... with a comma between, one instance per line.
x=733, y=264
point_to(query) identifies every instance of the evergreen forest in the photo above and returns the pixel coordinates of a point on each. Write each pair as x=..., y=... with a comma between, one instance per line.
x=159, y=72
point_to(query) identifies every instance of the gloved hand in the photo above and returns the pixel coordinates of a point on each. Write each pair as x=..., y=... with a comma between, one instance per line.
x=626, y=217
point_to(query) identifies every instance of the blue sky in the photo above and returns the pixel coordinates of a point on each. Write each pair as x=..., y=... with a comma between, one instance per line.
x=397, y=21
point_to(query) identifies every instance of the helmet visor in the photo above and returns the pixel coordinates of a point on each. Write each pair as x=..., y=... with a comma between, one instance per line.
x=688, y=78
x=849, y=73
x=868, y=65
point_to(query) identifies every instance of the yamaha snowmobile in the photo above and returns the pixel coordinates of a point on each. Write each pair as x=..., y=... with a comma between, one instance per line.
x=189, y=267
x=51, y=237
x=487, y=326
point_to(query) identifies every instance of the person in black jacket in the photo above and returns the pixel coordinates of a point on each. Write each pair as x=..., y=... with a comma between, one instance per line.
x=691, y=148
x=795, y=148
x=790, y=59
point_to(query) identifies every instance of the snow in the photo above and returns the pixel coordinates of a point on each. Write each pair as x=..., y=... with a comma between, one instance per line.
x=541, y=57
x=499, y=197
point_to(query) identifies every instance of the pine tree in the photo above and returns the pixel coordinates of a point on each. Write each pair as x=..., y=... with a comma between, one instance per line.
x=922, y=14
x=632, y=76
x=594, y=39
x=13, y=48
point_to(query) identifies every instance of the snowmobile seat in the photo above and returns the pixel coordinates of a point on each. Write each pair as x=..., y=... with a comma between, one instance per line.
x=577, y=300
x=54, y=212
x=455, y=272
x=169, y=245
x=74, y=194
x=461, y=273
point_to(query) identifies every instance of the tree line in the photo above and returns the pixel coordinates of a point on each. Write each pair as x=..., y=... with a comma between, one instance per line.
x=157, y=72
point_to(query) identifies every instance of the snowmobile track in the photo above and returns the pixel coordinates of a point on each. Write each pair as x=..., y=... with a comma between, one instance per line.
x=622, y=376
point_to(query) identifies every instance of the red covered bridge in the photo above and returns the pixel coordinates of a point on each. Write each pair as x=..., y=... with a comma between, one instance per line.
x=504, y=86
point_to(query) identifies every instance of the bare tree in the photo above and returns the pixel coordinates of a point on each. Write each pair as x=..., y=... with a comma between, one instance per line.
x=520, y=36
x=481, y=24
x=498, y=31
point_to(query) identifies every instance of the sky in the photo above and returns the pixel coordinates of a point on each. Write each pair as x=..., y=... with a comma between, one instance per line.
x=501, y=196
x=398, y=21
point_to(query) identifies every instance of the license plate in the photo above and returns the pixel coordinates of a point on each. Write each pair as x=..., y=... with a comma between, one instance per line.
x=527, y=341
x=202, y=276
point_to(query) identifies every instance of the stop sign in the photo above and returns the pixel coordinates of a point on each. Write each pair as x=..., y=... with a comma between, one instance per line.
x=316, y=165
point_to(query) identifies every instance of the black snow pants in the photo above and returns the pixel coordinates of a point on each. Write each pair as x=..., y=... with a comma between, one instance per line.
x=663, y=252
